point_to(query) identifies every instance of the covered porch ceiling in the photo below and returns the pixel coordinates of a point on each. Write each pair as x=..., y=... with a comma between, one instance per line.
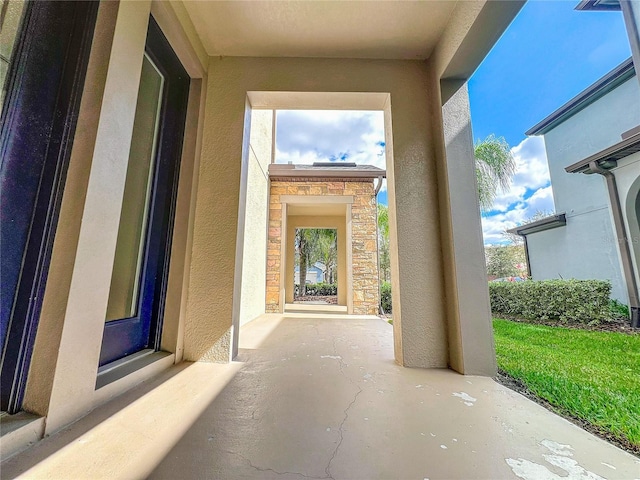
x=368, y=29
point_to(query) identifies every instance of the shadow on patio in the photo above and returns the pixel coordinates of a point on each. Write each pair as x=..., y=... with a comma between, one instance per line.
x=320, y=397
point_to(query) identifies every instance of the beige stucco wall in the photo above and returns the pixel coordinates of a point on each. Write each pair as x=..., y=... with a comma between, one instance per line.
x=254, y=256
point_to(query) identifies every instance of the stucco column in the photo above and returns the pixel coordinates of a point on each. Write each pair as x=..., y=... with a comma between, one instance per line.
x=471, y=349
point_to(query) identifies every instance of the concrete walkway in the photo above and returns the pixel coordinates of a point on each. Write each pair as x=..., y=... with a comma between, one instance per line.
x=320, y=397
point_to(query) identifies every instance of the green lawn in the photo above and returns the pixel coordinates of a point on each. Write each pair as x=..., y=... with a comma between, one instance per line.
x=591, y=375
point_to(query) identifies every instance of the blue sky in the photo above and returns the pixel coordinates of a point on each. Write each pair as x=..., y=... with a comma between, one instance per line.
x=550, y=53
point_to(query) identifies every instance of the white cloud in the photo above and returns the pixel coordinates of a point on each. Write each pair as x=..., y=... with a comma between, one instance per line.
x=532, y=170
x=308, y=136
x=304, y=136
x=532, y=173
x=518, y=204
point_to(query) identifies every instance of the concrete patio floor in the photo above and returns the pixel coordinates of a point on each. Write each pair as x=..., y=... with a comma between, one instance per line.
x=318, y=396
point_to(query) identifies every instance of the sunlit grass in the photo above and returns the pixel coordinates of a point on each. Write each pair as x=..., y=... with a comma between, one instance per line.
x=591, y=375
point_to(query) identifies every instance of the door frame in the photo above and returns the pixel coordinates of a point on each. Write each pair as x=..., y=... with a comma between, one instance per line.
x=118, y=339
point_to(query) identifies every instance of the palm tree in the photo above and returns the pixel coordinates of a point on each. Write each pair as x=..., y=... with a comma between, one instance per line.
x=303, y=247
x=495, y=166
x=327, y=251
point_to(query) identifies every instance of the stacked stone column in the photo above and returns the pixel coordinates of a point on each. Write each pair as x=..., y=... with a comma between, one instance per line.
x=364, y=255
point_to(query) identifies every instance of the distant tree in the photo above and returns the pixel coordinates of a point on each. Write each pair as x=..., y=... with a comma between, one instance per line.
x=383, y=243
x=325, y=250
x=495, y=167
x=506, y=261
x=514, y=238
x=312, y=245
x=303, y=253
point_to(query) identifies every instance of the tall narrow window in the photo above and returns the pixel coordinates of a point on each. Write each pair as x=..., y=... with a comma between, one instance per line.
x=127, y=267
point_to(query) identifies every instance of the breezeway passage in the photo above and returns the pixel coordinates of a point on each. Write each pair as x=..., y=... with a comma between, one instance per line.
x=319, y=396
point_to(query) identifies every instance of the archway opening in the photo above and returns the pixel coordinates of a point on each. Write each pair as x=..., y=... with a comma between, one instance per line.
x=270, y=207
x=316, y=269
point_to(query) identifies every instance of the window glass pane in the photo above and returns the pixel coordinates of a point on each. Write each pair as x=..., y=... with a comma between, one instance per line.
x=126, y=277
x=11, y=12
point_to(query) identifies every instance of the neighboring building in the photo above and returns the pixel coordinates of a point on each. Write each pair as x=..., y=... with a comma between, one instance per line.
x=340, y=196
x=316, y=273
x=135, y=190
x=594, y=235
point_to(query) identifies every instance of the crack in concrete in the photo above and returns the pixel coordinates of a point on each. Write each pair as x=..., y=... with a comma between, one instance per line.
x=341, y=364
x=327, y=470
x=265, y=469
x=341, y=367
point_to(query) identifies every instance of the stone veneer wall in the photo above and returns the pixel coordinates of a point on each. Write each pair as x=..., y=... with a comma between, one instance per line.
x=364, y=253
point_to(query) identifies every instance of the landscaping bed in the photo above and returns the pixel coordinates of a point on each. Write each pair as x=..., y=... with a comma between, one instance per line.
x=591, y=377
x=614, y=325
x=328, y=299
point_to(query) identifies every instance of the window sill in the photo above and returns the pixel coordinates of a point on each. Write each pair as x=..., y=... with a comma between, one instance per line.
x=120, y=376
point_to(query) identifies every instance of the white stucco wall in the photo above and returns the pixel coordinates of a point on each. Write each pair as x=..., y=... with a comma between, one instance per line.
x=586, y=247
x=252, y=298
x=589, y=131
x=583, y=249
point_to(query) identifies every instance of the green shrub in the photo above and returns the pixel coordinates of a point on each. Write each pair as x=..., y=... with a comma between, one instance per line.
x=322, y=289
x=618, y=310
x=581, y=301
x=385, y=297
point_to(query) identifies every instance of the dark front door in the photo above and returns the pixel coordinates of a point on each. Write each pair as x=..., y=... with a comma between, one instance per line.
x=139, y=280
x=44, y=52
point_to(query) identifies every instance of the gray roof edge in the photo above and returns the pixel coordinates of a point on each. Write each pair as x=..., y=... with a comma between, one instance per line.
x=554, y=221
x=292, y=171
x=597, y=5
x=626, y=147
x=615, y=77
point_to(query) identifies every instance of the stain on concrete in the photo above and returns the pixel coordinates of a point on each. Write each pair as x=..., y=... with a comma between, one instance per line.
x=560, y=458
x=468, y=399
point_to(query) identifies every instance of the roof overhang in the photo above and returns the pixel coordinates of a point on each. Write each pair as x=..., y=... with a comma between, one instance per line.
x=330, y=171
x=607, y=158
x=555, y=221
x=611, y=80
